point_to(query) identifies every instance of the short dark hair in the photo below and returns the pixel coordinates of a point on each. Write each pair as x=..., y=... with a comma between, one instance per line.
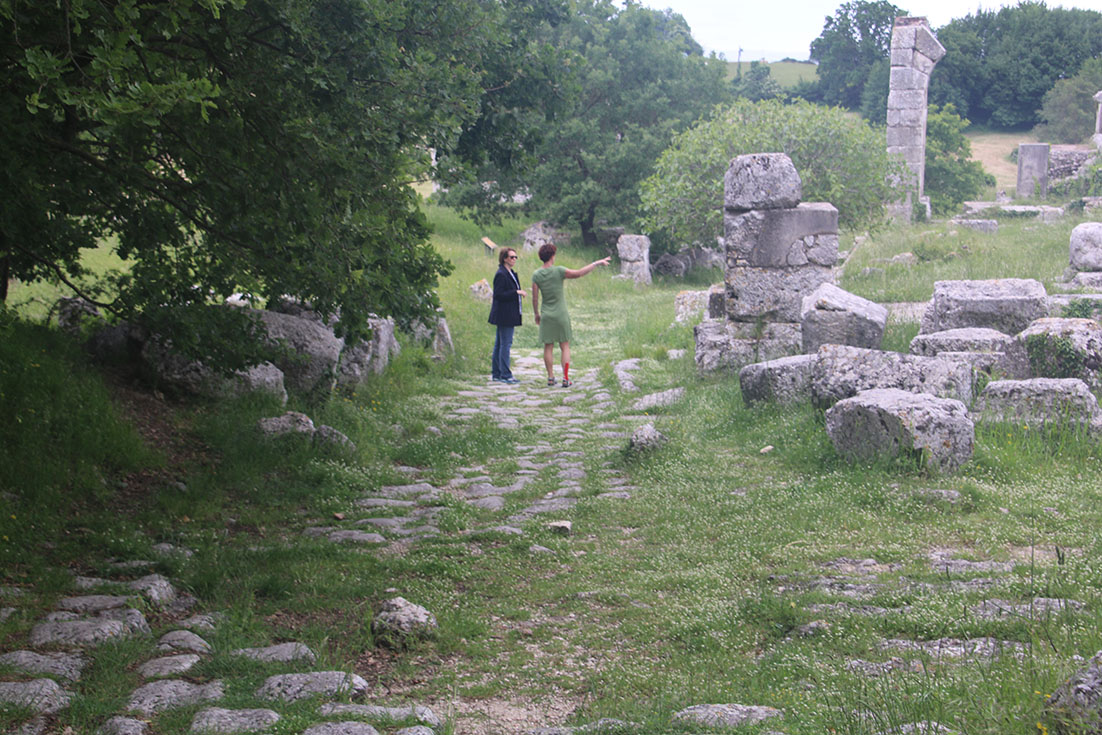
x=547, y=252
x=503, y=254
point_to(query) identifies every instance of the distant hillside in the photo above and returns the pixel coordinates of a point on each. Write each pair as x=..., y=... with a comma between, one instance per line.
x=787, y=73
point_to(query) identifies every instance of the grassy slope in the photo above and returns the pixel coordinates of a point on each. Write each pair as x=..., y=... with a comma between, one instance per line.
x=786, y=73
x=692, y=592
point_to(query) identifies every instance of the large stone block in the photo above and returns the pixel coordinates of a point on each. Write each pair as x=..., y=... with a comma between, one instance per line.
x=762, y=181
x=1033, y=169
x=1006, y=353
x=717, y=301
x=907, y=99
x=775, y=294
x=902, y=77
x=903, y=136
x=361, y=360
x=830, y=315
x=1086, y=247
x=1064, y=348
x=634, y=252
x=915, y=118
x=888, y=423
x=308, y=351
x=1039, y=403
x=842, y=372
x=785, y=380
x=1008, y=305
x=782, y=238
x=725, y=346
x=927, y=44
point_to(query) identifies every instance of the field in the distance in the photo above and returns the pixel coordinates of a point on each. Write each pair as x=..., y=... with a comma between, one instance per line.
x=787, y=73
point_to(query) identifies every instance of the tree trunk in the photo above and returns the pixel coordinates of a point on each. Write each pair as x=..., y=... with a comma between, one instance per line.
x=5, y=269
x=589, y=236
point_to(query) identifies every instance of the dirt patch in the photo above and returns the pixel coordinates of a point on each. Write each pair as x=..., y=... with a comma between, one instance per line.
x=509, y=716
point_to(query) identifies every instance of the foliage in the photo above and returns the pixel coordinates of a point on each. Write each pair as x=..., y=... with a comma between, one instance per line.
x=999, y=64
x=756, y=83
x=1082, y=309
x=1068, y=110
x=874, y=95
x=951, y=176
x=840, y=159
x=1053, y=356
x=642, y=79
x=264, y=147
x=853, y=40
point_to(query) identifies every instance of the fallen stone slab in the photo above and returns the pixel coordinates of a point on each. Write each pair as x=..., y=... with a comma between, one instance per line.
x=1064, y=348
x=218, y=720
x=986, y=226
x=841, y=372
x=155, y=588
x=659, y=400
x=77, y=632
x=399, y=618
x=786, y=380
x=292, y=687
x=280, y=652
x=158, y=696
x=725, y=715
x=168, y=665
x=888, y=422
x=1007, y=352
x=378, y=712
x=342, y=728
x=1008, y=305
x=291, y=422
x=62, y=665
x=204, y=621
x=830, y=315
x=1039, y=403
x=119, y=725
x=971, y=649
x=182, y=640
x=41, y=695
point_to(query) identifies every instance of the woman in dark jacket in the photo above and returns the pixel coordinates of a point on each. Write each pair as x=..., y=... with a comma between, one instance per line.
x=505, y=313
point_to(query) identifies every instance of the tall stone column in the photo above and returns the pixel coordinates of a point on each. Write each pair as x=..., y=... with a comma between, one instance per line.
x=914, y=52
x=1097, y=137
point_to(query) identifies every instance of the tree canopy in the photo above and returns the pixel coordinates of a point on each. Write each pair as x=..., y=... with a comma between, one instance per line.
x=853, y=40
x=1068, y=110
x=640, y=79
x=264, y=146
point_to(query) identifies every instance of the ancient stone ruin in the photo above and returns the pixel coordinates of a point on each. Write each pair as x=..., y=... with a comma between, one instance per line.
x=779, y=250
x=1033, y=170
x=914, y=52
x=634, y=252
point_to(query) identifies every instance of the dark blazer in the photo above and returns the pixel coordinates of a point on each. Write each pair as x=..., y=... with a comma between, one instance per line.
x=505, y=308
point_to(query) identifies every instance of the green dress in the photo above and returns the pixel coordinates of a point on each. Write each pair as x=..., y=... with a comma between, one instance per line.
x=554, y=320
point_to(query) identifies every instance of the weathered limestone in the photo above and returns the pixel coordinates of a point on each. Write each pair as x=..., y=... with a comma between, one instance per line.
x=841, y=372
x=987, y=350
x=308, y=351
x=830, y=315
x=341, y=728
x=1064, y=348
x=725, y=715
x=785, y=380
x=634, y=252
x=292, y=687
x=1039, y=403
x=727, y=346
x=378, y=712
x=40, y=695
x=182, y=640
x=914, y=53
x=281, y=652
x=1077, y=703
x=399, y=618
x=1033, y=170
x=688, y=305
x=1085, y=247
x=646, y=438
x=1007, y=305
x=986, y=226
x=77, y=632
x=168, y=665
x=761, y=181
x=123, y=726
x=889, y=422
x=62, y=665
x=218, y=720
x=360, y=361
x=158, y=696
x=659, y=400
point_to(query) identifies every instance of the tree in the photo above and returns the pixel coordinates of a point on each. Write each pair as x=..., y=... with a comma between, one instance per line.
x=641, y=78
x=999, y=64
x=1068, y=109
x=263, y=146
x=756, y=83
x=840, y=159
x=951, y=177
x=853, y=40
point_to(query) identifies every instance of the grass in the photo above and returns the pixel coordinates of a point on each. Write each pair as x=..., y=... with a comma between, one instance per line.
x=786, y=73
x=699, y=589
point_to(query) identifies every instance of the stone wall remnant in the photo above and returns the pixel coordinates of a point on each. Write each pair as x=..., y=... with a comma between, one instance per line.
x=914, y=52
x=1032, y=170
x=634, y=252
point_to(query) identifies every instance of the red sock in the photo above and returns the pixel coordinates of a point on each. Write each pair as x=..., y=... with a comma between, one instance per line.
x=566, y=371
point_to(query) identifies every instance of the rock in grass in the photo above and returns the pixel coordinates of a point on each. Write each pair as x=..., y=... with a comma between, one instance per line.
x=398, y=619
x=63, y=665
x=605, y=724
x=281, y=652
x=182, y=640
x=377, y=712
x=159, y=696
x=218, y=720
x=646, y=438
x=168, y=665
x=92, y=603
x=725, y=715
x=123, y=726
x=1077, y=703
x=77, y=632
x=41, y=695
x=342, y=728
x=292, y=687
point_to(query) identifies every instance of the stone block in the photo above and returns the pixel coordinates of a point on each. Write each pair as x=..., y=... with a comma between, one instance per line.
x=900, y=136
x=1039, y=403
x=923, y=63
x=781, y=238
x=830, y=315
x=903, y=35
x=902, y=77
x=889, y=422
x=907, y=99
x=1064, y=348
x=1007, y=305
x=926, y=43
x=785, y=380
x=902, y=56
x=761, y=181
x=725, y=346
x=1085, y=247
x=986, y=226
x=633, y=248
x=842, y=371
x=915, y=118
x=1078, y=701
x=717, y=301
x=774, y=294
x=970, y=343
x=1033, y=169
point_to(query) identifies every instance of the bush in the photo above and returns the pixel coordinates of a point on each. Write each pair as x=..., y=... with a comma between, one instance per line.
x=841, y=160
x=1068, y=109
x=951, y=177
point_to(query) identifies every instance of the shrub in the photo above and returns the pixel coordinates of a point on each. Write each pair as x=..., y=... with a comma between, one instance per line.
x=841, y=160
x=951, y=177
x=1068, y=109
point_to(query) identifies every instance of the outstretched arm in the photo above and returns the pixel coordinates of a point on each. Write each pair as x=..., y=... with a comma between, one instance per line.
x=536, y=301
x=584, y=271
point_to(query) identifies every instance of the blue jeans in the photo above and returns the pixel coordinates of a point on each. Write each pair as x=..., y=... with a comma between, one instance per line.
x=499, y=360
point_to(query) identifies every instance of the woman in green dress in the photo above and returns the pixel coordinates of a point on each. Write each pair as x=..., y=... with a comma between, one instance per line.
x=553, y=319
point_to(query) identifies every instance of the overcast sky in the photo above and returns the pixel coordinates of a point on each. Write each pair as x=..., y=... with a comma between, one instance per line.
x=775, y=29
